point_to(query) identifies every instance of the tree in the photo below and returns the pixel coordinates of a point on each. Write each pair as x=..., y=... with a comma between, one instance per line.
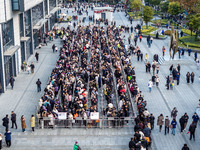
x=194, y=23
x=135, y=5
x=154, y=2
x=147, y=15
x=175, y=8
x=164, y=6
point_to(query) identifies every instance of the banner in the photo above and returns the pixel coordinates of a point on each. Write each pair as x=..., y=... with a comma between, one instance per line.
x=100, y=11
x=62, y=115
x=94, y=115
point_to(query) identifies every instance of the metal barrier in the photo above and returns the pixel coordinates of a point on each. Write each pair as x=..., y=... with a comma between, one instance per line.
x=79, y=122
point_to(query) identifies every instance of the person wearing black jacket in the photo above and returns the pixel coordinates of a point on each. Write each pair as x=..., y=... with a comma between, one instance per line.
x=185, y=147
x=132, y=144
x=152, y=118
x=182, y=121
x=6, y=122
x=192, y=129
x=13, y=119
x=186, y=117
x=38, y=85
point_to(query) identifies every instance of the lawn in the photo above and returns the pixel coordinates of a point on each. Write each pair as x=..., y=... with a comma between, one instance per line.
x=147, y=30
x=188, y=32
x=133, y=15
x=163, y=22
x=190, y=41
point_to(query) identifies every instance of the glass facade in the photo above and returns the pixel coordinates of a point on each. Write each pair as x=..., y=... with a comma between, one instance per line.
x=22, y=52
x=27, y=19
x=37, y=13
x=21, y=24
x=46, y=7
x=15, y=5
x=52, y=4
x=28, y=48
x=7, y=34
x=53, y=20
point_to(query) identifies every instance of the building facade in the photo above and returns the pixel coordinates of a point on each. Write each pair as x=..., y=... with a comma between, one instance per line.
x=22, y=26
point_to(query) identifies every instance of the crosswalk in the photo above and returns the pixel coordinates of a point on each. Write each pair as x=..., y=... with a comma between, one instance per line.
x=161, y=60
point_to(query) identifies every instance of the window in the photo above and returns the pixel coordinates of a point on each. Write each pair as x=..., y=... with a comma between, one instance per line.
x=52, y=4
x=27, y=19
x=15, y=5
x=7, y=34
x=37, y=13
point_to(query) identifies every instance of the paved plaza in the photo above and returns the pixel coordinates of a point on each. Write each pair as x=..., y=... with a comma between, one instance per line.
x=23, y=99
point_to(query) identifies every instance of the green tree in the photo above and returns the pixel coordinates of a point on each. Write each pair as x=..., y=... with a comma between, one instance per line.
x=194, y=23
x=164, y=6
x=175, y=8
x=147, y=14
x=154, y=2
x=135, y=5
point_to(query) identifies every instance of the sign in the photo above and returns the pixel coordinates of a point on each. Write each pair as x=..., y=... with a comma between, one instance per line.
x=62, y=115
x=94, y=115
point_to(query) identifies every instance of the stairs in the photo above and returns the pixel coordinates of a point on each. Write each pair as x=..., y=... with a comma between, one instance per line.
x=161, y=60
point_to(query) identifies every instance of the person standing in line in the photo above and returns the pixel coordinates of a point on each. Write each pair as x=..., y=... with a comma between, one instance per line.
x=174, y=123
x=192, y=77
x=192, y=129
x=23, y=123
x=182, y=121
x=188, y=77
x=32, y=120
x=6, y=122
x=160, y=121
x=12, y=80
x=167, y=122
x=152, y=118
x=32, y=67
x=150, y=84
x=38, y=85
x=8, y=138
x=13, y=119
x=37, y=56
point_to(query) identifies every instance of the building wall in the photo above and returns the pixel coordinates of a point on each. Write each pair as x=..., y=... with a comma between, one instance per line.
x=2, y=12
x=16, y=29
x=109, y=16
x=28, y=4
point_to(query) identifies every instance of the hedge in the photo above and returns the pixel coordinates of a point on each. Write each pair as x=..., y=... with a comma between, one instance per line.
x=188, y=32
x=190, y=41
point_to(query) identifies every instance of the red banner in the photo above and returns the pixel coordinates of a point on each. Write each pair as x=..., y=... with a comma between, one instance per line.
x=100, y=11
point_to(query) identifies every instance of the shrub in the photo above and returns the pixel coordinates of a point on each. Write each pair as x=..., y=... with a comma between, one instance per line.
x=167, y=32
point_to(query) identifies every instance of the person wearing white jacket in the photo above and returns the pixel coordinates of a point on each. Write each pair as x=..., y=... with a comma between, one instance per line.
x=150, y=84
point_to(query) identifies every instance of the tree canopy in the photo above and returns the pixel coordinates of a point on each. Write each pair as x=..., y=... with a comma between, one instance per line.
x=194, y=22
x=147, y=14
x=175, y=8
x=135, y=4
x=154, y=2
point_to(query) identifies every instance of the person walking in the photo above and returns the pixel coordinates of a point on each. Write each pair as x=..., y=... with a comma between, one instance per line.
x=38, y=85
x=192, y=129
x=0, y=141
x=163, y=49
x=185, y=147
x=167, y=122
x=8, y=138
x=152, y=118
x=146, y=57
x=13, y=119
x=32, y=67
x=32, y=120
x=192, y=77
x=186, y=117
x=188, y=77
x=12, y=80
x=173, y=124
x=150, y=84
x=160, y=122
x=23, y=123
x=178, y=78
x=182, y=122
x=53, y=47
x=6, y=122
x=76, y=146
x=174, y=113
x=37, y=56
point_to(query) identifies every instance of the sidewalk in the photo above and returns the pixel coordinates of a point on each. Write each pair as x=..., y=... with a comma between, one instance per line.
x=23, y=99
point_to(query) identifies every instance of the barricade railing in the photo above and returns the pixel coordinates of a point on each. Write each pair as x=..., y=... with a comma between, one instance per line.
x=79, y=122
